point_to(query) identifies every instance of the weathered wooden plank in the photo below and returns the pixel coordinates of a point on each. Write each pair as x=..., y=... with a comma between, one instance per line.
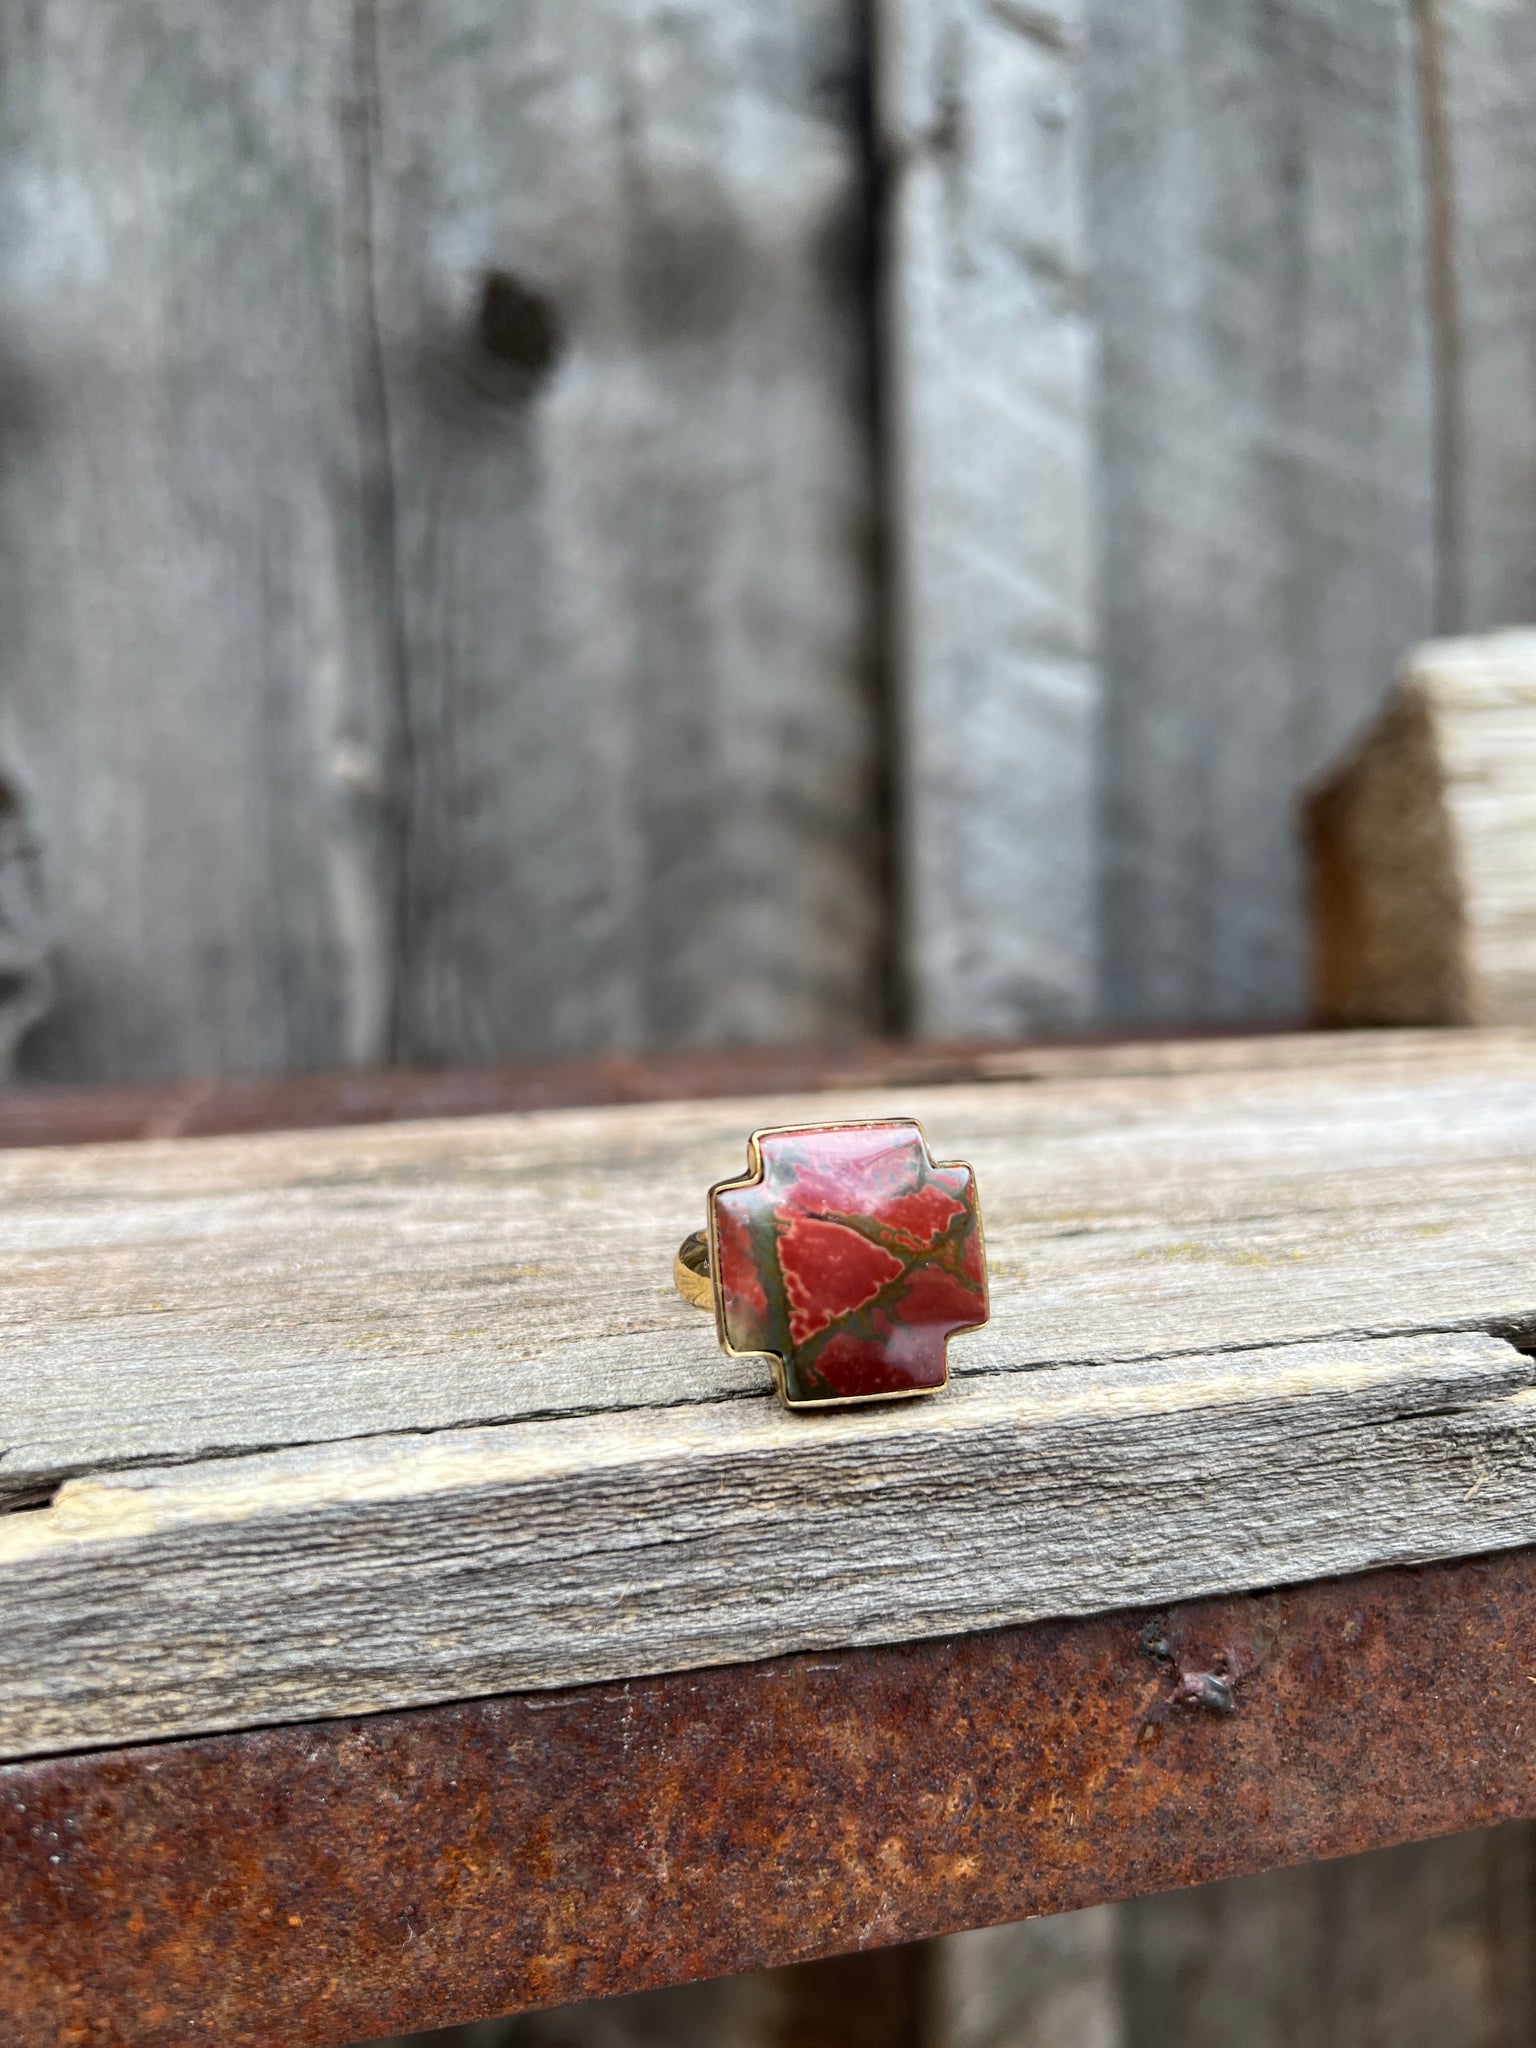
x=435, y=530
x=171, y=1301
x=405, y=1569
x=1266, y=459
x=618, y=289
x=1423, y=846
x=196, y=658
x=26, y=971
x=1288, y=1216
x=202, y=1106
x=989, y=368
x=1479, y=62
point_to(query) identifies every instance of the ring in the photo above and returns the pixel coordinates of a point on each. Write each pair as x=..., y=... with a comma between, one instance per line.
x=846, y=1256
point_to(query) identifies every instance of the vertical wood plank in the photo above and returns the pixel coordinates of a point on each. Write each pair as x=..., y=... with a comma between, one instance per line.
x=1479, y=61
x=26, y=972
x=989, y=362
x=1429, y=1944
x=196, y=711
x=1427, y=1947
x=1266, y=456
x=435, y=528
x=1041, y=1984
x=619, y=273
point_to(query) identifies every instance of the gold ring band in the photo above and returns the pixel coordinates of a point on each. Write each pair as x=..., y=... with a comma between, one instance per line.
x=690, y=1271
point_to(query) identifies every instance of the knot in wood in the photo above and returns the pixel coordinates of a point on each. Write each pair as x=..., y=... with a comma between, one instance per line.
x=518, y=325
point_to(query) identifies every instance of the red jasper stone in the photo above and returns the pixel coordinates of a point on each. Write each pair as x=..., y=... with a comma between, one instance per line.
x=852, y=1258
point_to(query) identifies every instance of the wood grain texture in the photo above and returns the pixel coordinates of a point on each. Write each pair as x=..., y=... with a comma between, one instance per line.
x=189, y=491
x=1423, y=846
x=26, y=971
x=1266, y=459
x=185, y=1299
x=403, y=1570
x=1239, y=706
x=447, y=1431
x=631, y=545
x=1480, y=57
x=989, y=347
x=435, y=515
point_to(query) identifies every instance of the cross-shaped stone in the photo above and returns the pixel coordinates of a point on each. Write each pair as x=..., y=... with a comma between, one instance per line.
x=851, y=1258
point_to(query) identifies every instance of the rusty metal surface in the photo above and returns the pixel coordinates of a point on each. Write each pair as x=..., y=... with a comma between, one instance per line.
x=321, y=1884
x=51, y=1115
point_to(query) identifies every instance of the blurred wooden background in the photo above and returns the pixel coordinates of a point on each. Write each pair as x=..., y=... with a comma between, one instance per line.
x=622, y=523
x=566, y=524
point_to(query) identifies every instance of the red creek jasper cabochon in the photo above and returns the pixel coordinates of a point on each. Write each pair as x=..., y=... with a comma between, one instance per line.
x=853, y=1258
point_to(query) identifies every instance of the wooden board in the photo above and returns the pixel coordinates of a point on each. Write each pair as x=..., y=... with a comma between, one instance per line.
x=385, y=680
x=1266, y=459
x=989, y=362
x=1423, y=846
x=176, y=1300
x=496, y=392
x=396, y=1571
x=195, y=667
x=440, y=1427
x=461, y=443
x=1479, y=64
x=1036, y=1984
x=631, y=542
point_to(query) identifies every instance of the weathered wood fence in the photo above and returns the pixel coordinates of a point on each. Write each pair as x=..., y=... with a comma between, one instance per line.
x=621, y=523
